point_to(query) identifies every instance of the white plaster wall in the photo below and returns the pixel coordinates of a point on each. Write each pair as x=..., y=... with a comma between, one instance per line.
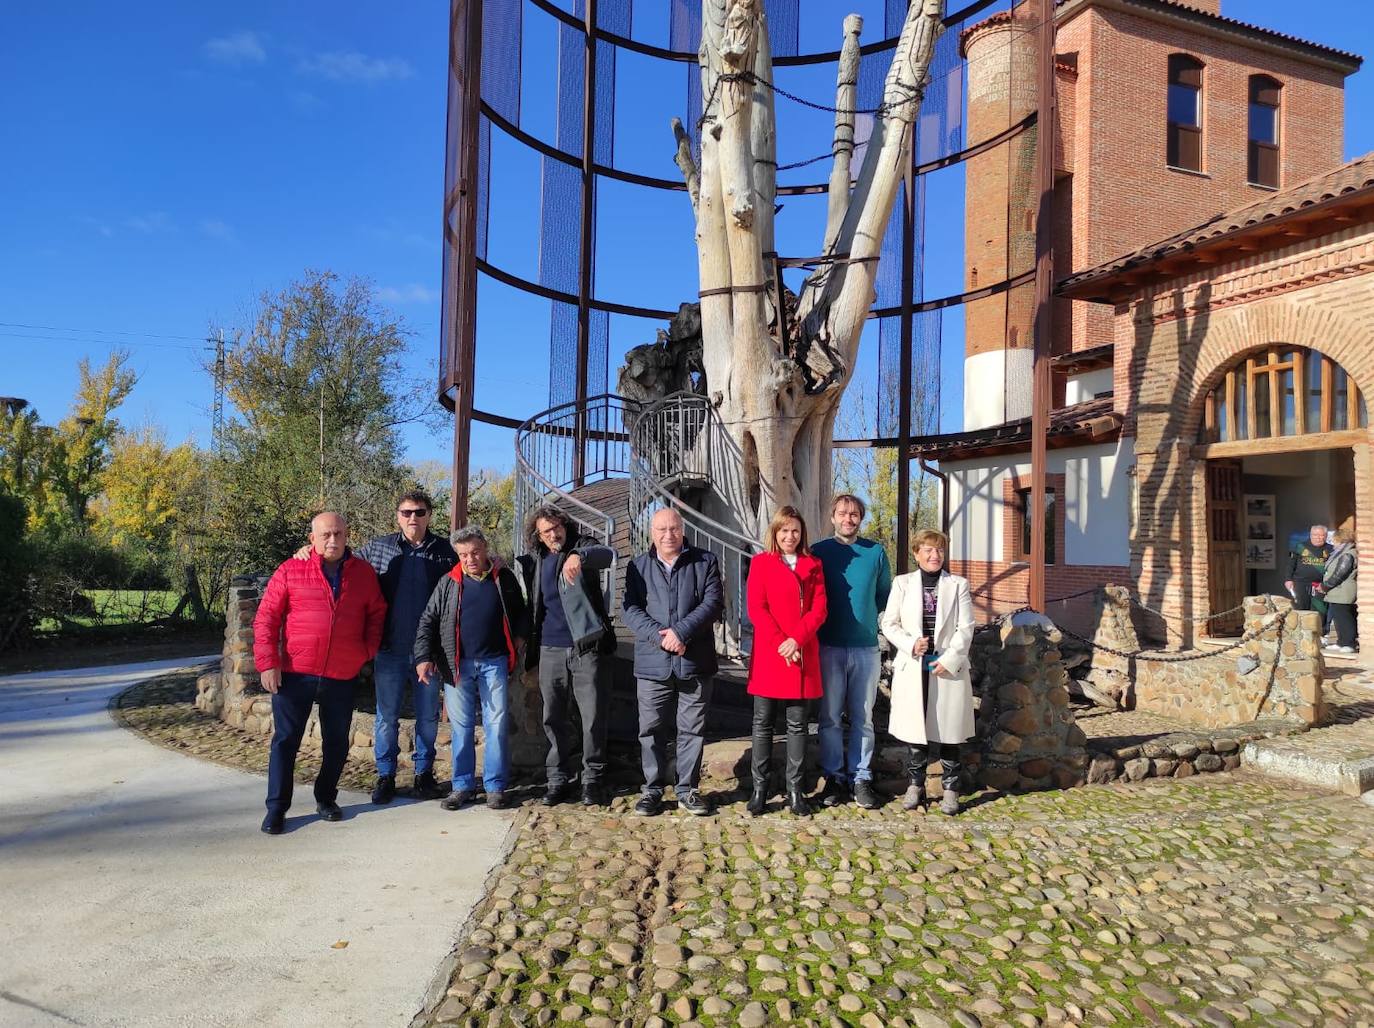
x=997, y=387
x=1084, y=387
x=1096, y=503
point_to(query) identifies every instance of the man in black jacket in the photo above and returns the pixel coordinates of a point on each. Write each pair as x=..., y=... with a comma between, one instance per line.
x=570, y=641
x=469, y=636
x=673, y=598
x=1306, y=565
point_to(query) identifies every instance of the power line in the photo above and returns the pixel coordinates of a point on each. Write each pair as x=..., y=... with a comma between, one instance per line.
x=101, y=342
x=102, y=331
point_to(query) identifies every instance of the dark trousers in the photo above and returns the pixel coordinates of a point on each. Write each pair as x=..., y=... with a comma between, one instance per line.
x=762, y=751
x=585, y=679
x=1343, y=614
x=951, y=762
x=290, y=711
x=680, y=701
x=1302, y=594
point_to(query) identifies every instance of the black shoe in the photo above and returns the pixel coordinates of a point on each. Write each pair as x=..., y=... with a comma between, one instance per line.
x=835, y=793
x=274, y=824
x=758, y=801
x=864, y=794
x=649, y=805
x=329, y=811
x=425, y=787
x=692, y=802
x=798, y=803
x=594, y=794
x=554, y=795
x=496, y=800
x=385, y=789
x=457, y=799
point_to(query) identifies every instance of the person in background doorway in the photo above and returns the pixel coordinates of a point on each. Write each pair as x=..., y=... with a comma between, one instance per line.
x=786, y=601
x=929, y=620
x=1306, y=565
x=1338, y=590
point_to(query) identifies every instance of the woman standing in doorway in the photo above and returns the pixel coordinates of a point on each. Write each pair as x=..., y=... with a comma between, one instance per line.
x=1338, y=589
x=929, y=620
x=786, y=601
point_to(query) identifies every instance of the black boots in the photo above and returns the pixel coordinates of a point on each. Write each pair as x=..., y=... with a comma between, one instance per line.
x=758, y=802
x=798, y=803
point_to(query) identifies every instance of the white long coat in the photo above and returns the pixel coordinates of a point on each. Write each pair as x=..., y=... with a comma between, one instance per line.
x=951, y=720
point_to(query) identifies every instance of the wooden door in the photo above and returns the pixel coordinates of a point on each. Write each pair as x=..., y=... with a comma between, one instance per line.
x=1225, y=549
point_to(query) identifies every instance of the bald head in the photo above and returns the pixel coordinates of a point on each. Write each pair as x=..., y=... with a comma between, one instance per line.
x=666, y=531
x=329, y=535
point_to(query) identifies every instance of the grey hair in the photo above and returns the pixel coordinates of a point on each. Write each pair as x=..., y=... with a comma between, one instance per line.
x=1315, y=527
x=468, y=534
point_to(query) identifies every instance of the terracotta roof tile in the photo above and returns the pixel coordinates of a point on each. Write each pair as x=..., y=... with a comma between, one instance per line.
x=1091, y=421
x=1346, y=180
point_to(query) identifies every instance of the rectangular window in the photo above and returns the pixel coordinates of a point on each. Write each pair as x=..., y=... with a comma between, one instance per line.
x=1263, y=412
x=1313, y=366
x=1184, y=105
x=1262, y=158
x=1023, y=510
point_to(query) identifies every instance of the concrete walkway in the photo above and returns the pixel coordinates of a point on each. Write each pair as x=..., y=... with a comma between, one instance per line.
x=136, y=889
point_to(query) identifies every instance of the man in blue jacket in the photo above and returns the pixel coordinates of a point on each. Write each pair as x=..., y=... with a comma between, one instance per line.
x=673, y=598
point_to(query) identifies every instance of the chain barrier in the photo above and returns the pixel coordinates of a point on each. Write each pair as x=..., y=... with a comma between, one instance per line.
x=1192, y=621
x=1178, y=658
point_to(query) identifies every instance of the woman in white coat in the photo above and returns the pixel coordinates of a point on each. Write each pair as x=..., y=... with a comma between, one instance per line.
x=929, y=620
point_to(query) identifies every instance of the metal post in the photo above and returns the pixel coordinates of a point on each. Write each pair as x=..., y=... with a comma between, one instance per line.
x=1044, y=300
x=904, y=374
x=465, y=66
x=584, y=268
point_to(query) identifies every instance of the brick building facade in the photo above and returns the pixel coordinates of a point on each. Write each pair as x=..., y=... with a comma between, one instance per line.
x=1131, y=78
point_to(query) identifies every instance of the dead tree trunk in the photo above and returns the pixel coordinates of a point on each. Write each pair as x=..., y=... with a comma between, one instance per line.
x=778, y=396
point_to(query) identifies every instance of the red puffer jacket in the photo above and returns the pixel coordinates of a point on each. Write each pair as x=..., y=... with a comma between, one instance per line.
x=324, y=636
x=785, y=604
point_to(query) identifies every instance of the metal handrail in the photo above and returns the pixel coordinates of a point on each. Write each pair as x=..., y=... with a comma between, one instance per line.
x=679, y=438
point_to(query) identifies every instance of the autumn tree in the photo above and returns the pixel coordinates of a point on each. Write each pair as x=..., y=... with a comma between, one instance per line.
x=150, y=490
x=319, y=390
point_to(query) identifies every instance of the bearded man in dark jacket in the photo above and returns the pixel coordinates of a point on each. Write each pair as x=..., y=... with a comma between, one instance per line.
x=571, y=641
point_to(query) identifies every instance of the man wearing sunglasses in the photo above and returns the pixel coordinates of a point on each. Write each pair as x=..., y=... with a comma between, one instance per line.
x=409, y=563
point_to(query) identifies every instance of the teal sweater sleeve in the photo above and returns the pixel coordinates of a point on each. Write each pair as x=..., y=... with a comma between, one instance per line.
x=857, y=581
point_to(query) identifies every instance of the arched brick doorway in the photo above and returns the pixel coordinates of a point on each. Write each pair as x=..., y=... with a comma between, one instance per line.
x=1277, y=434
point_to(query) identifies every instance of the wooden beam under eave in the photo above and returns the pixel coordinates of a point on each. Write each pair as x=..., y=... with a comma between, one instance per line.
x=1281, y=444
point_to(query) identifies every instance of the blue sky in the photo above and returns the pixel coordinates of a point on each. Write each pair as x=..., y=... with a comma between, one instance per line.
x=167, y=162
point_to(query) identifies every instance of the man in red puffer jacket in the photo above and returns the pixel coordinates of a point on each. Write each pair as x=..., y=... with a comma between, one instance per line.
x=332, y=610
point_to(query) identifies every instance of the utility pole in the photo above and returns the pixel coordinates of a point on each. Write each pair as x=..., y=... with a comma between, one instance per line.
x=217, y=409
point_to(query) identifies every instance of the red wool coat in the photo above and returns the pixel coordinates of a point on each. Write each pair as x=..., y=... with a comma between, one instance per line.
x=785, y=604
x=324, y=636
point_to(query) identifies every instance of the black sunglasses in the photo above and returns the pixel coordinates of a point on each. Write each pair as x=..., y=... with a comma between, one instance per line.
x=417, y=513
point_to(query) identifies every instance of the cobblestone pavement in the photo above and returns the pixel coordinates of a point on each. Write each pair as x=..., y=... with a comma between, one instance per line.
x=1212, y=900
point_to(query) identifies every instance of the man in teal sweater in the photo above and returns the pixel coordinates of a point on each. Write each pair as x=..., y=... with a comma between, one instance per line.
x=857, y=580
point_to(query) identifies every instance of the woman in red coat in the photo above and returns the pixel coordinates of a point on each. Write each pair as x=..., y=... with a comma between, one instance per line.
x=786, y=599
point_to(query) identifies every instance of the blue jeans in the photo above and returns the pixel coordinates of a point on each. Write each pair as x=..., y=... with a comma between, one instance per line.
x=487, y=679
x=392, y=674
x=849, y=676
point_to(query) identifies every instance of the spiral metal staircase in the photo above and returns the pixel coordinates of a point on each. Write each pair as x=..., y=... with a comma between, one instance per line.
x=609, y=464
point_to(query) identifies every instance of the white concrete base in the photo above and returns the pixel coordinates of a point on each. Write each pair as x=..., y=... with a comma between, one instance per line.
x=1286, y=758
x=997, y=387
x=136, y=888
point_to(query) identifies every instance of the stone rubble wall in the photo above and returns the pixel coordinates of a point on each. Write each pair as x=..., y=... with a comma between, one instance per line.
x=1027, y=738
x=1284, y=680
x=234, y=694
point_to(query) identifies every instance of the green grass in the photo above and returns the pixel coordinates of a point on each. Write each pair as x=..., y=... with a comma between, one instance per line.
x=118, y=607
